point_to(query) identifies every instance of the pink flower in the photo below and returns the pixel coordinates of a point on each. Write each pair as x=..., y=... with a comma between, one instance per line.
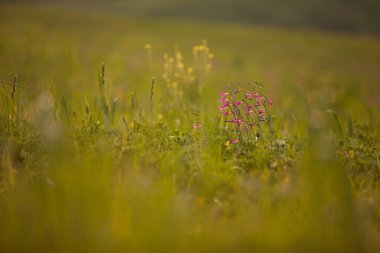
x=250, y=95
x=197, y=126
x=224, y=106
x=233, y=141
x=223, y=99
x=237, y=121
x=241, y=108
x=248, y=109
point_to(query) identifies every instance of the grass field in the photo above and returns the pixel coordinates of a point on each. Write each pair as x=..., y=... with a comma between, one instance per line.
x=97, y=157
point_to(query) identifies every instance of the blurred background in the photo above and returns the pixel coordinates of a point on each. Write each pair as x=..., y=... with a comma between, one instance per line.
x=327, y=49
x=341, y=15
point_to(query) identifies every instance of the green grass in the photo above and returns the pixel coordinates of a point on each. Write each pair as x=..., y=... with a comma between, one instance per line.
x=82, y=171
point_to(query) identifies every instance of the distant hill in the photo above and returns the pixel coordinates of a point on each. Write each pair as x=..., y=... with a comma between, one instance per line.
x=343, y=15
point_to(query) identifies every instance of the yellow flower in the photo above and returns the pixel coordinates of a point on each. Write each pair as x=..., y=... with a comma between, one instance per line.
x=178, y=56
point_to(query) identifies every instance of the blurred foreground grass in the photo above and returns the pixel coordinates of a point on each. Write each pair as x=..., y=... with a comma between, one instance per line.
x=75, y=179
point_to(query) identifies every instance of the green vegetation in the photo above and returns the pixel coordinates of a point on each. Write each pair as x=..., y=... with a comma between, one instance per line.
x=113, y=137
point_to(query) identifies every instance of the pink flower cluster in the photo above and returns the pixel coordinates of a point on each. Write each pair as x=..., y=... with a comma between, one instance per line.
x=197, y=126
x=244, y=113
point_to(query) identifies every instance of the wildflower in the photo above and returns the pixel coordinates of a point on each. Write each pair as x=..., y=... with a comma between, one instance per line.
x=224, y=106
x=223, y=99
x=237, y=121
x=197, y=126
x=350, y=153
x=251, y=95
x=248, y=109
x=178, y=56
x=233, y=141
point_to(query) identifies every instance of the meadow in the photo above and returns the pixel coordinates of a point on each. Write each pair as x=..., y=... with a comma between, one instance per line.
x=122, y=133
